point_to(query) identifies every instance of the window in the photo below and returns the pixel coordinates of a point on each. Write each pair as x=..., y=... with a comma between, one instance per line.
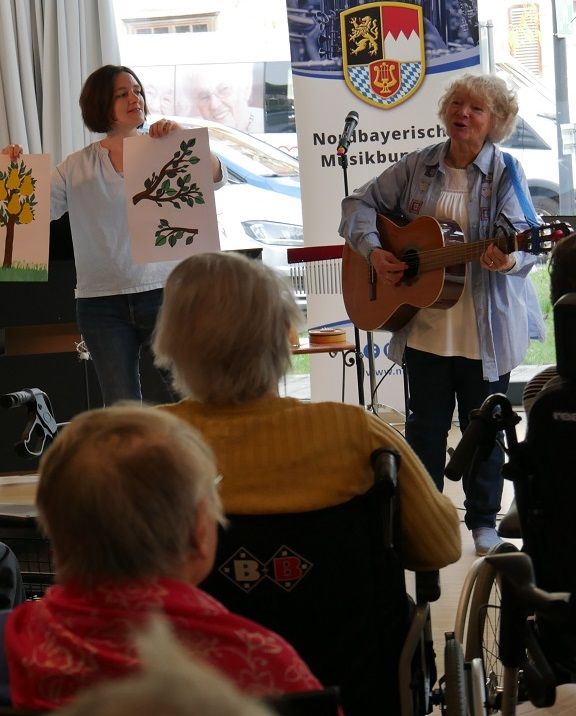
x=205, y=22
x=524, y=35
x=278, y=98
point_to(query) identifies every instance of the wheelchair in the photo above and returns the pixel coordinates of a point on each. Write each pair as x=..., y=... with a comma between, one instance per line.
x=516, y=611
x=332, y=583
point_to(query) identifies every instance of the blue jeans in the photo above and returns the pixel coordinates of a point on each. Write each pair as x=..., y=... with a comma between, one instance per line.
x=115, y=329
x=435, y=384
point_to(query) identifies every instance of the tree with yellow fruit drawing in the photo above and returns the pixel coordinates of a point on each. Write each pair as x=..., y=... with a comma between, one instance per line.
x=17, y=202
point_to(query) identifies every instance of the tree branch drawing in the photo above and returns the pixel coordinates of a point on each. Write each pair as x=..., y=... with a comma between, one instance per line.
x=17, y=202
x=173, y=185
x=171, y=234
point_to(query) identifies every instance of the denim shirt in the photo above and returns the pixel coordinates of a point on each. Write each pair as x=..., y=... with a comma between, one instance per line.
x=507, y=310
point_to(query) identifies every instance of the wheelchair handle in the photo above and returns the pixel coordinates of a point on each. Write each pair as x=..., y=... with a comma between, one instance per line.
x=385, y=463
x=20, y=397
x=41, y=426
x=479, y=438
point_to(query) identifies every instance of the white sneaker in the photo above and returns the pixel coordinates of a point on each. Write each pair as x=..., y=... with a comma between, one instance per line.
x=484, y=539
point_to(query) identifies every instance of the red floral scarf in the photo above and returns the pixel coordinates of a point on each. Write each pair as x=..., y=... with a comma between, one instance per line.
x=73, y=638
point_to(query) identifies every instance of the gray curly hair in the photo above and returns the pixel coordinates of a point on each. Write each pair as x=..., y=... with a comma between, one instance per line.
x=500, y=99
x=223, y=330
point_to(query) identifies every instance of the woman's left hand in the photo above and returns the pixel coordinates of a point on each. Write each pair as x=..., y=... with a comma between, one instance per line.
x=13, y=151
x=162, y=128
x=495, y=260
x=216, y=168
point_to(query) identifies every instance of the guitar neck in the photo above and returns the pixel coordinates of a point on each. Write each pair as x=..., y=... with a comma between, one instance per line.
x=460, y=253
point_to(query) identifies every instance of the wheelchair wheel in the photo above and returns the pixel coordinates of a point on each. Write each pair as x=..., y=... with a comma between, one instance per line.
x=484, y=628
x=476, y=688
x=455, y=679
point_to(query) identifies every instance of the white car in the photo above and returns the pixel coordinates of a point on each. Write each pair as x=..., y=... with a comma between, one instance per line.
x=252, y=218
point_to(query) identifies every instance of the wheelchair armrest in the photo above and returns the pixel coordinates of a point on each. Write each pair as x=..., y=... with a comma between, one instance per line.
x=427, y=586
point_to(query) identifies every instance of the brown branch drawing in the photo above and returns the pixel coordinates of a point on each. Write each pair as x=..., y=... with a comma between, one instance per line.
x=167, y=234
x=159, y=187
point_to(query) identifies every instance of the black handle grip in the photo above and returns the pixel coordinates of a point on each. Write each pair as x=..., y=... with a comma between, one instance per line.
x=478, y=438
x=19, y=397
x=385, y=464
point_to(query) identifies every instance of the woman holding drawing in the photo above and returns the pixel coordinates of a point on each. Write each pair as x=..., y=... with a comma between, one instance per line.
x=462, y=354
x=117, y=300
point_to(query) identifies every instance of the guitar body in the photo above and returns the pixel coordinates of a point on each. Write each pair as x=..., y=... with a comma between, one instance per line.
x=372, y=304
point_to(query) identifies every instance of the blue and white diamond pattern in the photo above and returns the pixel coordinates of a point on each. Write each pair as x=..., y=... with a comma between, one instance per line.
x=410, y=73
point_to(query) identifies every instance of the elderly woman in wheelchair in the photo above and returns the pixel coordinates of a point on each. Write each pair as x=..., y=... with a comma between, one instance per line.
x=306, y=550
x=128, y=497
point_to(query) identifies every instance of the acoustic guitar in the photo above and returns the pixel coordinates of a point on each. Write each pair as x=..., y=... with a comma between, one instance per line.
x=436, y=254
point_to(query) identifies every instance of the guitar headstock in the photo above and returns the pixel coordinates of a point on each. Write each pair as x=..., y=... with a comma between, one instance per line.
x=541, y=239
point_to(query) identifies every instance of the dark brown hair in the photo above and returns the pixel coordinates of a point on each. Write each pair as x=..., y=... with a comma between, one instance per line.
x=97, y=97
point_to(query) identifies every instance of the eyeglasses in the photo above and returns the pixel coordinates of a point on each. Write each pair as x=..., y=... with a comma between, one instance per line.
x=217, y=480
x=221, y=92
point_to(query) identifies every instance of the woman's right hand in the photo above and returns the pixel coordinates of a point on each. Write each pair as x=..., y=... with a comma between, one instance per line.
x=387, y=266
x=13, y=151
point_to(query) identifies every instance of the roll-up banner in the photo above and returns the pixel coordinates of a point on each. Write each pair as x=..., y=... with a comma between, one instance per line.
x=384, y=64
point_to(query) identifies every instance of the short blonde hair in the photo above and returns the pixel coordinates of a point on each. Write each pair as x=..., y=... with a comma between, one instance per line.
x=223, y=330
x=119, y=492
x=500, y=99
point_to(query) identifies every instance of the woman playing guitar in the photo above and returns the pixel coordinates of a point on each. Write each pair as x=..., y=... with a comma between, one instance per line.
x=459, y=348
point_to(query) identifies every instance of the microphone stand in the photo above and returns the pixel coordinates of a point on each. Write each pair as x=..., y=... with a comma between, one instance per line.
x=343, y=162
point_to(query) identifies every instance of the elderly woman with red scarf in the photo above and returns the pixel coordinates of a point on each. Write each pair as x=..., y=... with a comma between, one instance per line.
x=127, y=496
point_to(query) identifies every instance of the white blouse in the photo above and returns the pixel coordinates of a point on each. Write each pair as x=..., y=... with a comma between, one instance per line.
x=452, y=331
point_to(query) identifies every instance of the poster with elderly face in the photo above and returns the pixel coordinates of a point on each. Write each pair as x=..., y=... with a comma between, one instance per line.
x=230, y=94
x=389, y=63
x=170, y=196
x=221, y=93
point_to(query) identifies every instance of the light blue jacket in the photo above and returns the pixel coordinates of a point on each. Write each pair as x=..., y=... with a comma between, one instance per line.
x=507, y=310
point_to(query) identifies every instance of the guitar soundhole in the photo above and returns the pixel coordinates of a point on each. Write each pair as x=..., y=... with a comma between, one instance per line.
x=413, y=260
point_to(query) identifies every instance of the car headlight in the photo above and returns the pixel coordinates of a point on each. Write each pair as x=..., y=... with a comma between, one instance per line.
x=274, y=232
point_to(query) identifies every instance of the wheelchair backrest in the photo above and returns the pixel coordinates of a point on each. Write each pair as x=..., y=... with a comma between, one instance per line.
x=546, y=493
x=326, y=583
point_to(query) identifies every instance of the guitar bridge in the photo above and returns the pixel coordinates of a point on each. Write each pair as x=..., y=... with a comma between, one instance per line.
x=372, y=281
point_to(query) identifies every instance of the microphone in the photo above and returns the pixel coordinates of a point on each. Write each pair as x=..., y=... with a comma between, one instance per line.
x=349, y=127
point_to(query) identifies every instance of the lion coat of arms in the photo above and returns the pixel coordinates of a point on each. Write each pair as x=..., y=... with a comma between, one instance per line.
x=383, y=51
